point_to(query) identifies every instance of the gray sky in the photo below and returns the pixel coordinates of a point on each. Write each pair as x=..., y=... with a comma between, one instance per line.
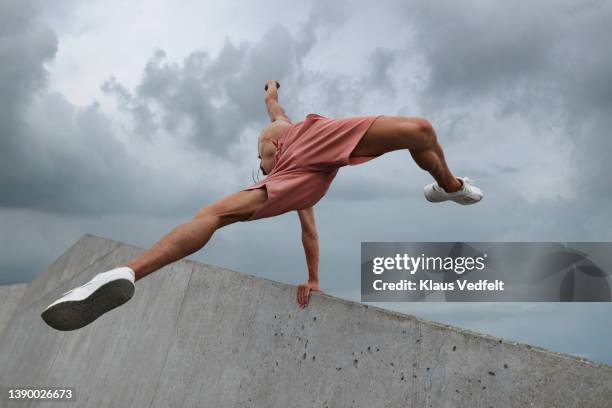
x=122, y=118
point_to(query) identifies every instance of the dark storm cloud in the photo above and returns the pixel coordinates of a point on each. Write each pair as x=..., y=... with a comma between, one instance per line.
x=341, y=95
x=219, y=96
x=52, y=159
x=25, y=45
x=60, y=158
x=379, y=78
x=521, y=54
x=546, y=62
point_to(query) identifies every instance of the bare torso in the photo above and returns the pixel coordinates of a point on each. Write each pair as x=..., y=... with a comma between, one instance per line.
x=266, y=144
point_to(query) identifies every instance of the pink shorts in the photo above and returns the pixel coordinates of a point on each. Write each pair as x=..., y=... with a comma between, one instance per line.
x=307, y=159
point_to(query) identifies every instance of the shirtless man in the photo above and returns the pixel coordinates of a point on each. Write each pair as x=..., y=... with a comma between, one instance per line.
x=300, y=161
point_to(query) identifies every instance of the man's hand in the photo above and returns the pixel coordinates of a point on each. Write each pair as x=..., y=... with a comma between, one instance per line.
x=275, y=110
x=303, y=292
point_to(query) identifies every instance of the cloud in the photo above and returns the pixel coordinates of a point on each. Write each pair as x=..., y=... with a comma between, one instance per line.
x=546, y=62
x=217, y=98
x=214, y=98
x=380, y=75
x=43, y=138
x=61, y=158
x=27, y=46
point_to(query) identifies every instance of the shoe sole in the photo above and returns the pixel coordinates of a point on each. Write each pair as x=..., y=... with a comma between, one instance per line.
x=74, y=314
x=434, y=201
x=468, y=200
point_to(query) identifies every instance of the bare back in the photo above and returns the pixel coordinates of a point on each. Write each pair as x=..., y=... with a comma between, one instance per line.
x=267, y=142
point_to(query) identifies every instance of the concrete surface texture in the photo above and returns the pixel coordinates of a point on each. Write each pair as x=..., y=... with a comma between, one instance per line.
x=196, y=335
x=9, y=298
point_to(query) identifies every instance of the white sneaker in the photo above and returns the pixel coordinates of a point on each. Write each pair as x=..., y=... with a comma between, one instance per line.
x=467, y=194
x=80, y=306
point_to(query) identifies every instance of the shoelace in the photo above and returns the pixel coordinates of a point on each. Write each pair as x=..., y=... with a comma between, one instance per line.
x=467, y=182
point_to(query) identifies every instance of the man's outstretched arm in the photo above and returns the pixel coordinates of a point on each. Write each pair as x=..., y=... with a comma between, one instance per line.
x=310, y=240
x=275, y=110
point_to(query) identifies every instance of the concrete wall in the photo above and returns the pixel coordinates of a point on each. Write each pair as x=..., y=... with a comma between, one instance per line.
x=198, y=335
x=9, y=298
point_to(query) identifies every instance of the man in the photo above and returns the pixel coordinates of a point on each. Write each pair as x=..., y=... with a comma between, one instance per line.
x=300, y=161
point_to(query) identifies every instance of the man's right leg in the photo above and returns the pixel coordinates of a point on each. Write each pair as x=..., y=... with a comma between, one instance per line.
x=108, y=290
x=193, y=235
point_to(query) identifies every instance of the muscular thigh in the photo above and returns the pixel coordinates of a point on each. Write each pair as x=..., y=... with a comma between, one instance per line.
x=389, y=133
x=236, y=207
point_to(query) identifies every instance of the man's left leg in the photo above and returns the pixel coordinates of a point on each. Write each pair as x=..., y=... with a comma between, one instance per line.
x=389, y=133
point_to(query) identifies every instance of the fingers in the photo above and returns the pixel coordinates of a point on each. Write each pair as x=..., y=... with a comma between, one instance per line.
x=273, y=84
x=303, y=293
x=300, y=296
